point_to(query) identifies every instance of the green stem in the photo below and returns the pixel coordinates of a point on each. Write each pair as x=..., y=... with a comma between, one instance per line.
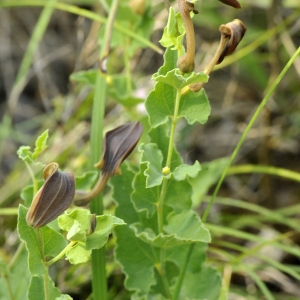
x=245, y=133
x=34, y=181
x=16, y=255
x=127, y=66
x=9, y=211
x=160, y=204
x=46, y=276
x=99, y=284
x=182, y=273
x=9, y=289
x=46, y=286
x=173, y=128
x=61, y=254
x=241, y=169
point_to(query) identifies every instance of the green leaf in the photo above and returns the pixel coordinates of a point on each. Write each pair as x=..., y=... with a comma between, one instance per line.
x=187, y=226
x=53, y=243
x=162, y=240
x=40, y=144
x=28, y=156
x=152, y=157
x=137, y=259
x=25, y=154
x=194, y=107
x=122, y=190
x=79, y=254
x=77, y=223
x=86, y=77
x=174, y=31
x=87, y=180
x=160, y=104
x=160, y=137
x=170, y=61
x=184, y=228
x=81, y=215
x=178, y=256
x=160, y=101
x=18, y=276
x=37, y=289
x=205, y=284
x=64, y=297
x=76, y=233
x=178, y=80
x=183, y=171
x=143, y=198
x=209, y=175
x=149, y=296
x=27, y=193
x=178, y=194
x=105, y=224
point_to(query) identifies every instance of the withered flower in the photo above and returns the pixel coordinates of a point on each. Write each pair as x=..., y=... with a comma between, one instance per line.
x=235, y=31
x=53, y=198
x=118, y=144
x=186, y=62
x=232, y=3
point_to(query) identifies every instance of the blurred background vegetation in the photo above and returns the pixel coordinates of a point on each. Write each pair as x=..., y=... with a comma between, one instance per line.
x=37, y=96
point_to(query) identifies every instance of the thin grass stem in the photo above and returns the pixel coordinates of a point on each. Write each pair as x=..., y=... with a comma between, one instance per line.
x=284, y=173
x=245, y=133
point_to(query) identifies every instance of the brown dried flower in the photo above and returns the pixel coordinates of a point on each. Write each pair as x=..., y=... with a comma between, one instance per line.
x=232, y=3
x=234, y=30
x=118, y=144
x=53, y=198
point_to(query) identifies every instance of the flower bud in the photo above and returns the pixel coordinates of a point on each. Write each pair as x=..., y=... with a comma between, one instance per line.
x=53, y=198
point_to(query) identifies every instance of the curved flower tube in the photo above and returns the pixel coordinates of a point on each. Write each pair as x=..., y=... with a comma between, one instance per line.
x=53, y=198
x=118, y=144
